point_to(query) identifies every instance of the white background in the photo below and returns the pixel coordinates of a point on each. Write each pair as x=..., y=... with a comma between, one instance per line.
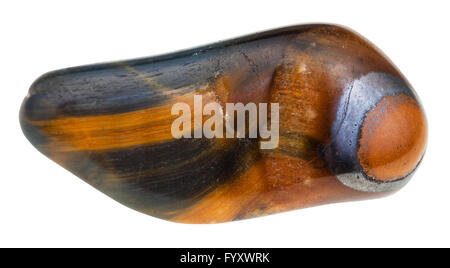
x=41, y=204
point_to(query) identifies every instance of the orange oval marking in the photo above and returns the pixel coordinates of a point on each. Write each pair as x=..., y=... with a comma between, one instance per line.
x=393, y=138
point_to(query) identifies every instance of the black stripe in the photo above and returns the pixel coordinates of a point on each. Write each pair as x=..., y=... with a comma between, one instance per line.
x=161, y=178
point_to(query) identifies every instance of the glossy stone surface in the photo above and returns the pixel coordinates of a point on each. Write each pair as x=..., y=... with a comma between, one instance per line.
x=351, y=127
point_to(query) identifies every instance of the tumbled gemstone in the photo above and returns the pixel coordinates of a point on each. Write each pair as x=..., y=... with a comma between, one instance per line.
x=326, y=118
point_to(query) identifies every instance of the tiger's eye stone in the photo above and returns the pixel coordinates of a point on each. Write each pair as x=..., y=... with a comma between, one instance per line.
x=350, y=125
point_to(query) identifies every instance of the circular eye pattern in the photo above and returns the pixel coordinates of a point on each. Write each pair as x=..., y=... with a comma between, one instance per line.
x=379, y=135
x=392, y=138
